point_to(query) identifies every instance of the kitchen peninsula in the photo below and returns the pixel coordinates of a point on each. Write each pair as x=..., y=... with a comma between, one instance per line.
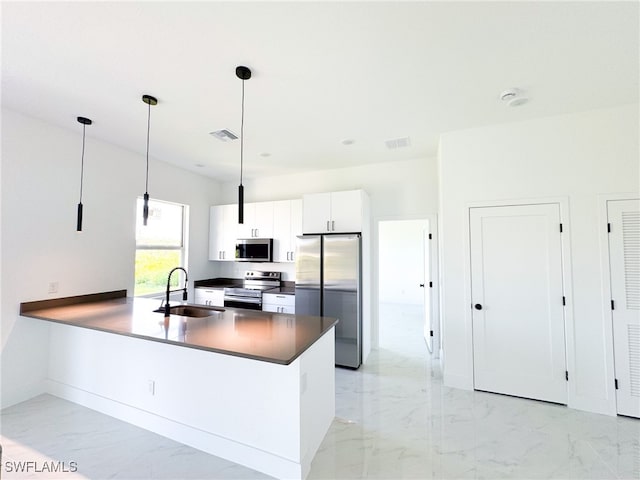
x=253, y=387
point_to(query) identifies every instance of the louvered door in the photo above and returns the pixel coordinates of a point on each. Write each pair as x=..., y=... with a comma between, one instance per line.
x=624, y=258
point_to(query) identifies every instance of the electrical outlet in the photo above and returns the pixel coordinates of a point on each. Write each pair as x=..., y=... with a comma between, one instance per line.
x=53, y=287
x=151, y=387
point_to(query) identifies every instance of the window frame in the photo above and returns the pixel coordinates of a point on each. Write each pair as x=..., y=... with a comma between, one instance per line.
x=183, y=248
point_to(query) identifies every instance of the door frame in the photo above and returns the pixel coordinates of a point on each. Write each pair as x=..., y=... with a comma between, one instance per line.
x=435, y=275
x=607, y=294
x=565, y=244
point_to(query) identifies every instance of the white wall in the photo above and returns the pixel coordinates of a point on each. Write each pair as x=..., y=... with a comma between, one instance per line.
x=400, y=262
x=40, y=189
x=576, y=157
x=397, y=189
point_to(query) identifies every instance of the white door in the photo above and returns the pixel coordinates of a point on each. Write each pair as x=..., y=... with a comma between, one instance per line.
x=517, y=301
x=624, y=257
x=428, y=288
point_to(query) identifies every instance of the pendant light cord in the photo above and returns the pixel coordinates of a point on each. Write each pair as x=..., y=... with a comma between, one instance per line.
x=242, y=133
x=84, y=127
x=146, y=185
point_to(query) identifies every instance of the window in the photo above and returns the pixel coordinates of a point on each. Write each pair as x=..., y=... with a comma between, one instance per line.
x=160, y=246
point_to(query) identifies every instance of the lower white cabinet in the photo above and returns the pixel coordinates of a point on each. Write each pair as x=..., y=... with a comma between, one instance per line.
x=212, y=297
x=278, y=303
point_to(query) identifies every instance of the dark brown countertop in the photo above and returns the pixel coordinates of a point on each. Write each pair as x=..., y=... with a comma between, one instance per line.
x=270, y=337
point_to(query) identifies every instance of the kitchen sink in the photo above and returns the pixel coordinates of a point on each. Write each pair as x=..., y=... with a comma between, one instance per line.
x=191, y=310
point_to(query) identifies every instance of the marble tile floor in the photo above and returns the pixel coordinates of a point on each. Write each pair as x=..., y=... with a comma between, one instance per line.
x=394, y=420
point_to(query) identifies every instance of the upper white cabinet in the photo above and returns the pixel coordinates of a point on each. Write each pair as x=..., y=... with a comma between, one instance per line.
x=258, y=221
x=222, y=232
x=287, y=224
x=333, y=212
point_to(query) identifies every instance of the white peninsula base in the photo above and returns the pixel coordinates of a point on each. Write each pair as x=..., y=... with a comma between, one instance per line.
x=262, y=415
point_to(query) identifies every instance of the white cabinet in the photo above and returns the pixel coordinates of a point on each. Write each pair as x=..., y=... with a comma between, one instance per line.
x=213, y=297
x=333, y=212
x=223, y=220
x=287, y=224
x=258, y=221
x=279, y=303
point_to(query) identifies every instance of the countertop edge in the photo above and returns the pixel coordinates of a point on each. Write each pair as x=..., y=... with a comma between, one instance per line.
x=32, y=309
x=26, y=307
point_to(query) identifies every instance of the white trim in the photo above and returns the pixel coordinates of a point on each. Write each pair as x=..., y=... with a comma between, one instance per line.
x=434, y=275
x=436, y=319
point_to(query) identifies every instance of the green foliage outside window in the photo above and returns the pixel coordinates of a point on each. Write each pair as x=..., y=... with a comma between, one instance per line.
x=152, y=268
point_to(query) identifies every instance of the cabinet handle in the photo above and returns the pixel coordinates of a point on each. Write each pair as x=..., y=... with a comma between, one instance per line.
x=328, y=229
x=257, y=234
x=292, y=256
x=333, y=225
x=477, y=306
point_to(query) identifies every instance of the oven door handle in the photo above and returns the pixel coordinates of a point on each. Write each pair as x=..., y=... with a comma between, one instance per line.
x=255, y=300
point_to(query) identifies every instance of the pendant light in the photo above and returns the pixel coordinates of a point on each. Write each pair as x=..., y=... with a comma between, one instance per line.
x=243, y=73
x=149, y=100
x=84, y=121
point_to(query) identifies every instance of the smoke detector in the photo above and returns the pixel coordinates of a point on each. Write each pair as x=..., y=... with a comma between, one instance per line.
x=513, y=97
x=224, y=135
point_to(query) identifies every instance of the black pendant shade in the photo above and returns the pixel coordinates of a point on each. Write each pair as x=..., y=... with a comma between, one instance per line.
x=84, y=121
x=149, y=100
x=243, y=73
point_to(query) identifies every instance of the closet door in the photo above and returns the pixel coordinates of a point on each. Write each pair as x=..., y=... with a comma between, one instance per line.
x=624, y=259
x=517, y=301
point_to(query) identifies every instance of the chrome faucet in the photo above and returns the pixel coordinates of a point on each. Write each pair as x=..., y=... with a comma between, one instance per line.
x=167, y=308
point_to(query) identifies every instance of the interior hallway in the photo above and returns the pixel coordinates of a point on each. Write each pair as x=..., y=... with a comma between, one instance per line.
x=394, y=419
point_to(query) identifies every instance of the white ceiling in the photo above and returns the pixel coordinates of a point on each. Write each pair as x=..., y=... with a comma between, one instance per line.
x=322, y=72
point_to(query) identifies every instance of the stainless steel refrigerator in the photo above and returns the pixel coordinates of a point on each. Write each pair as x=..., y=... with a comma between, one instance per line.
x=329, y=283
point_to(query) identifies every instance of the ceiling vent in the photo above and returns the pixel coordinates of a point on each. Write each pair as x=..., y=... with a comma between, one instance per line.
x=224, y=135
x=398, y=143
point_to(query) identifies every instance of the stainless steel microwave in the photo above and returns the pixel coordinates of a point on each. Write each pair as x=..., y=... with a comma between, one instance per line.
x=254, y=250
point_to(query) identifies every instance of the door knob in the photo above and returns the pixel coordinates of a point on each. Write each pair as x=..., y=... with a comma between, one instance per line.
x=477, y=306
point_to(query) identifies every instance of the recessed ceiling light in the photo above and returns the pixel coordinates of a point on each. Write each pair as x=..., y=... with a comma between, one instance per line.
x=224, y=134
x=348, y=141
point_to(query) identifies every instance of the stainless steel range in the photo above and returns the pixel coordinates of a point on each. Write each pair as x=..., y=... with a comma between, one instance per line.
x=250, y=294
